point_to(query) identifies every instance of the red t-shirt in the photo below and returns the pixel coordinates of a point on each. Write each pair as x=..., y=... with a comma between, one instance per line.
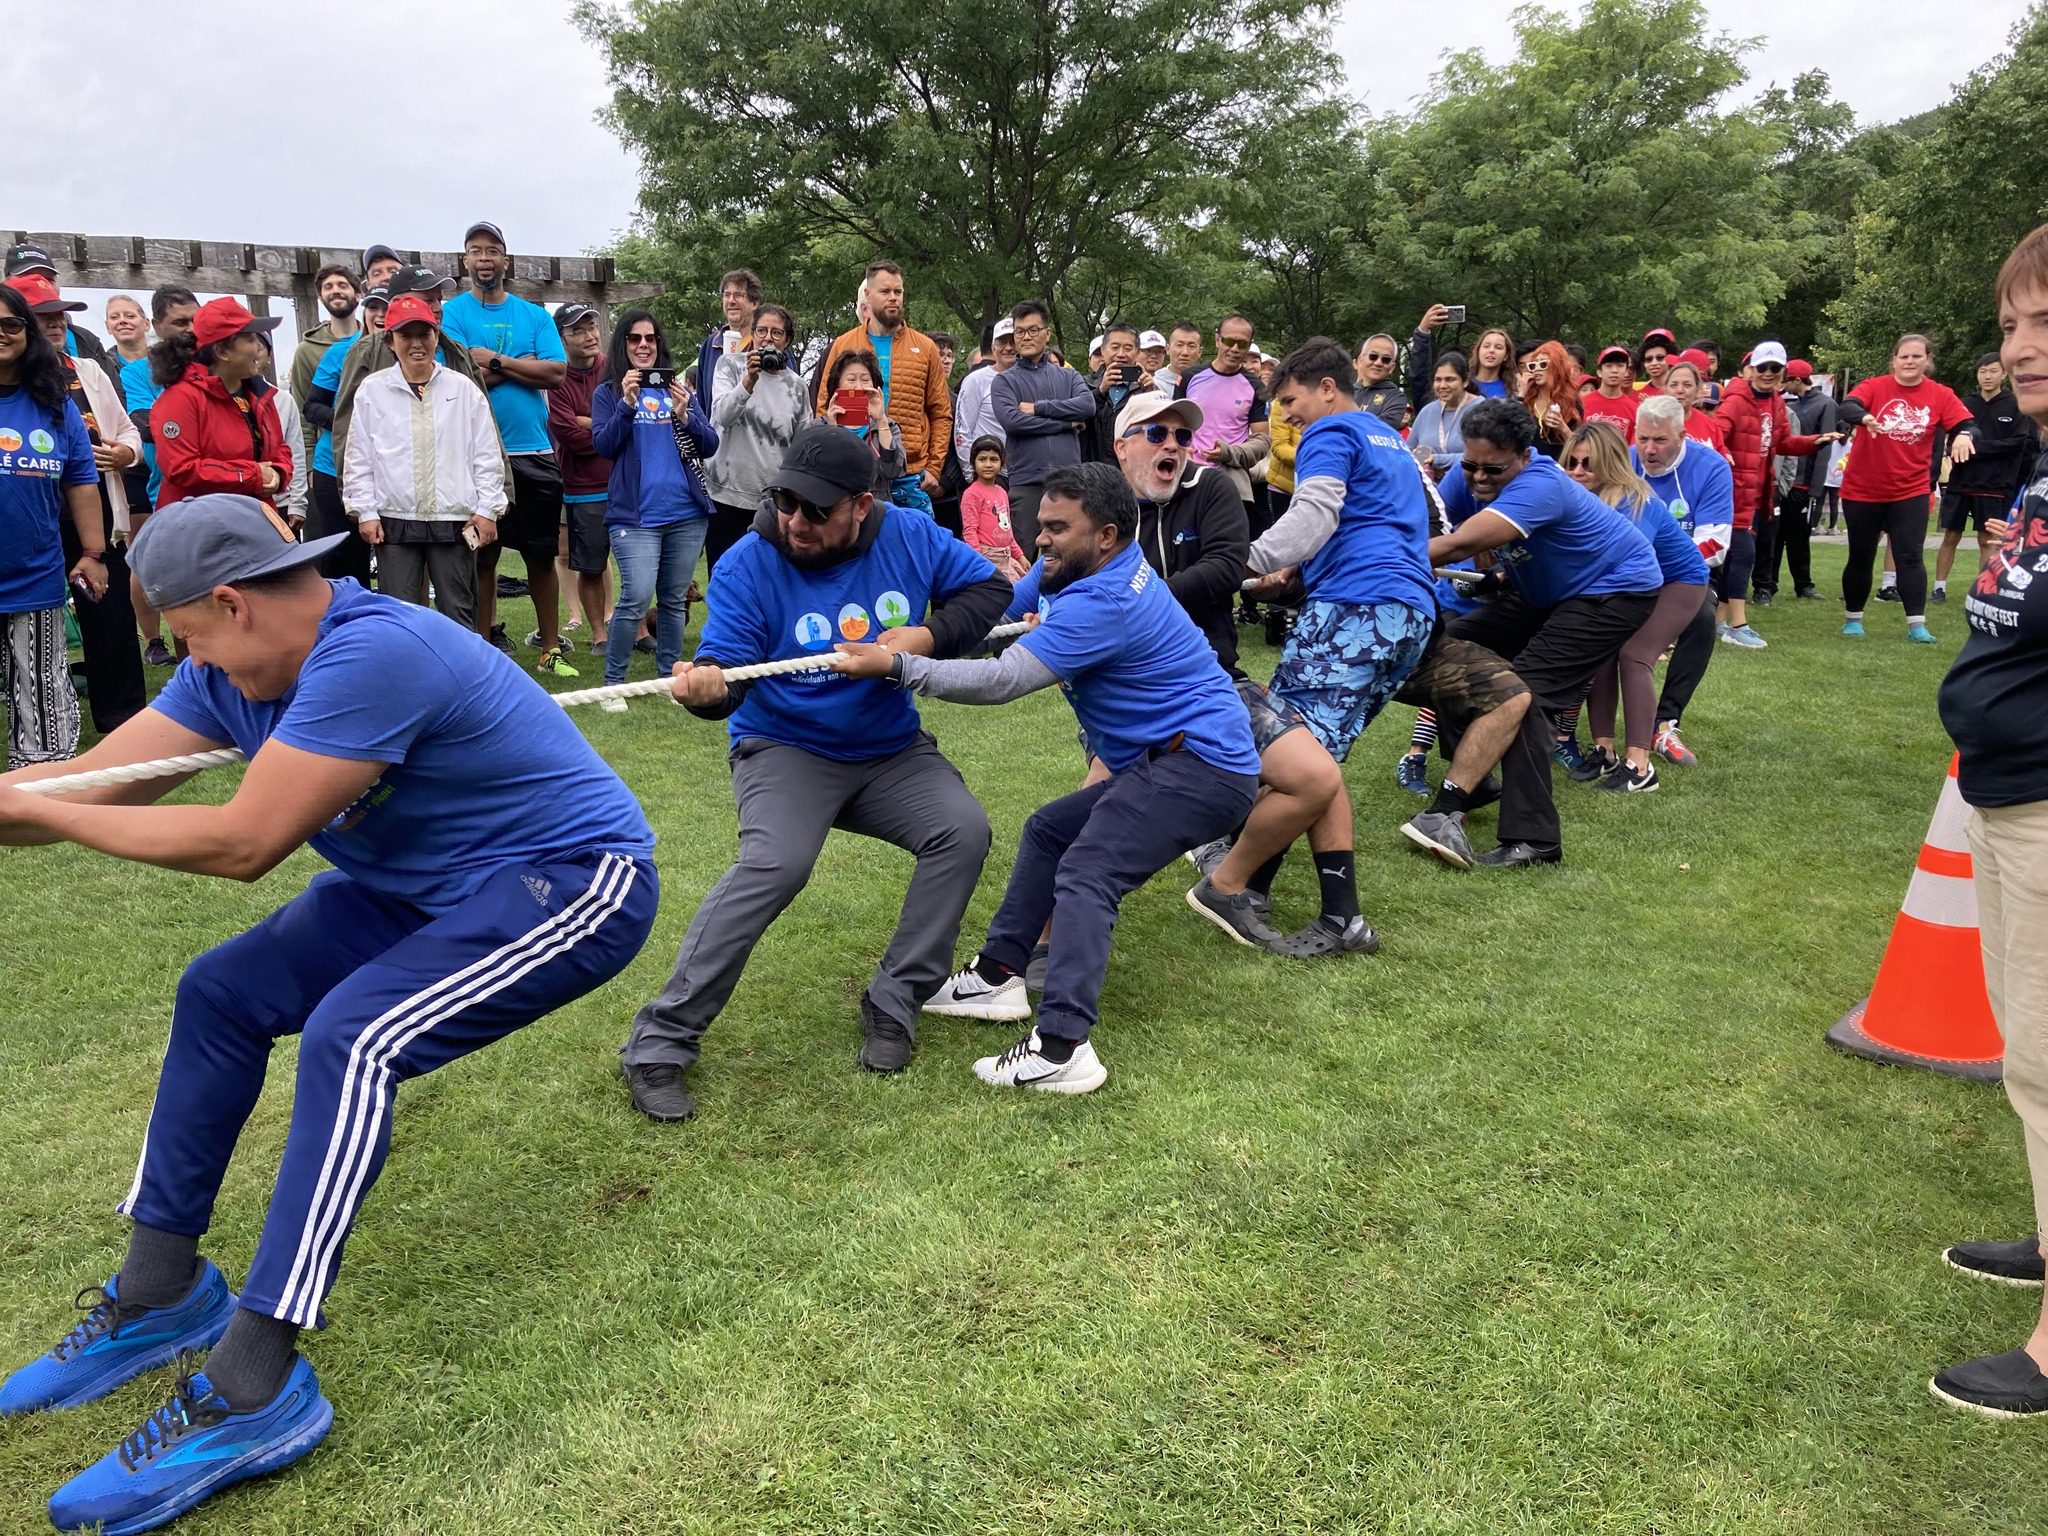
x=1621, y=410
x=1703, y=428
x=1891, y=457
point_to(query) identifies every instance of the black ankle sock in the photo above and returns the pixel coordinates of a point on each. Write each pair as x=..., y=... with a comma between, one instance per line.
x=249, y=1365
x=1056, y=1047
x=1261, y=882
x=160, y=1269
x=1335, y=873
x=1450, y=798
x=994, y=972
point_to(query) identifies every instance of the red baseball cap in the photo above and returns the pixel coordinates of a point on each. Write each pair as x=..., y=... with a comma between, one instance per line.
x=1617, y=350
x=1697, y=358
x=221, y=319
x=42, y=295
x=1658, y=333
x=1799, y=368
x=408, y=309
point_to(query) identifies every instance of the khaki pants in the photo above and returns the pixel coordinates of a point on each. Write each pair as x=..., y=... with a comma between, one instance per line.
x=2009, y=853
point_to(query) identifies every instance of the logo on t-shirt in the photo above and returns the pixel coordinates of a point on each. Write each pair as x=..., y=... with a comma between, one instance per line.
x=10, y=440
x=853, y=621
x=1900, y=422
x=41, y=441
x=894, y=609
x=812, y=632
x=1678, y=508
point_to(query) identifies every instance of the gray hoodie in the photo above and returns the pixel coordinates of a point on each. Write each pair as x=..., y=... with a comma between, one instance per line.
x=753, y=430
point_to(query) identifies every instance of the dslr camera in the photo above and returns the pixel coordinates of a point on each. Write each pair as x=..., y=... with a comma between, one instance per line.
x=771, y=359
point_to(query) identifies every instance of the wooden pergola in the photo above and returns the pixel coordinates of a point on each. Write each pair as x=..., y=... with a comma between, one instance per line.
x=259, y=273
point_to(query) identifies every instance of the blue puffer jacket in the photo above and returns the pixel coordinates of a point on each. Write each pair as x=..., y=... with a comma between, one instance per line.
x=621, y=434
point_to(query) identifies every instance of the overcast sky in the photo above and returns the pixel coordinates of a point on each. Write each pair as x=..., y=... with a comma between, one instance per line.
x=137, y=133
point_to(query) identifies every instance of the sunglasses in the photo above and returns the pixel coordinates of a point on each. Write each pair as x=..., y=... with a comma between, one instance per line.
x=640, y=338
x=1379, y=357
x=789, y=504
x=1483, y=471
x=1538, y=365
x=1585, y=464
x=1232, y=344
x=1157, y=433
x=1768, y=367
x=12, y=325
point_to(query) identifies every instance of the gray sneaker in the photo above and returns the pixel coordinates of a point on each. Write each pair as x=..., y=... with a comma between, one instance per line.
x=1034, y=968
x=1329, y=936
x=1443, y=834
x=1242, y=916
x=1209, y=855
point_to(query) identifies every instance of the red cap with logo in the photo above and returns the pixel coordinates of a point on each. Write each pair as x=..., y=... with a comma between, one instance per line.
x=408, y=309
x=42, y=295
x=1799, y=368
x=221, y=319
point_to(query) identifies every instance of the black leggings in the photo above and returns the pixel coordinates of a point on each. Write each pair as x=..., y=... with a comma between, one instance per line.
x=1869, y=523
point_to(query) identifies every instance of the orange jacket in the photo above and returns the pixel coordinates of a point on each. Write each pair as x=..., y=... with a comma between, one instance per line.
x=919, y=402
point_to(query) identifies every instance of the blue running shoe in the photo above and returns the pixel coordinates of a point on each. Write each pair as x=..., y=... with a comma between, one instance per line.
x=108, y=1350
x=1571, y=757
x=1920, y=634
x=1412, y=773
x=190, y=1449
x=1853, y=630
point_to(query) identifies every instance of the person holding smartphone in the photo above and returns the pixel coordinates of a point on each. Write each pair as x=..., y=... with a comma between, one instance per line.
x=854, y=403
x=1121, y=377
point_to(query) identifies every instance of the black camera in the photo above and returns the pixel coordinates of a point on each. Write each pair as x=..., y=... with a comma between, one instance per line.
x=771, y=359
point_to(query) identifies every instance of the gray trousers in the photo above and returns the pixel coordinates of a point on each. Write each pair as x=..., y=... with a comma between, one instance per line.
x=403, y=571
x=788, y=800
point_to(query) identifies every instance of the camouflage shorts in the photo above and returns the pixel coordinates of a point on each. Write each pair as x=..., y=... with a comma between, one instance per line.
x=1460, y=679
x=1272, y=716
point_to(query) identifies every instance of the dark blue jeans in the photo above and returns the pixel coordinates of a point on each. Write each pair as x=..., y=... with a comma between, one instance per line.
x=1083, y=853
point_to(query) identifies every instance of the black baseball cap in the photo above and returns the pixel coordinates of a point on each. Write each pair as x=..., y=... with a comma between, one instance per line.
x=378, y=253
x=570, y=316
x=485, y=227
x=825, y=464
x=28, y=257
x=418, y=280
x=377, y=293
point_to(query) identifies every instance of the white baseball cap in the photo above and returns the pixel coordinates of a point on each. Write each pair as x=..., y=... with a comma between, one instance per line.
x=1095, y=345
x=1140, y=409
x=1150, y=340
x=1768, y=352
x=1005, y=327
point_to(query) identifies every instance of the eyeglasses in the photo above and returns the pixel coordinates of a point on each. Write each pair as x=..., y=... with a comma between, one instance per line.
x=1157, y=433
x=1029, y=330
x=789, y=504
x=1483, y=471
x=12, y=325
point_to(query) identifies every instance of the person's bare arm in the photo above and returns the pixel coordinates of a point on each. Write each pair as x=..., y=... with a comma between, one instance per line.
x=142, y=739
x=1481, y=531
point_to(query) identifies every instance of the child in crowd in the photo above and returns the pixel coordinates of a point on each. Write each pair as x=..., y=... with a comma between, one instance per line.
x=985, y=511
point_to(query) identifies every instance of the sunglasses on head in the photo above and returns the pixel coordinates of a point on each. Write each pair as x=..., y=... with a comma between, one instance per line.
x=1158, y=432
x=1482, y=471
x=789, y=504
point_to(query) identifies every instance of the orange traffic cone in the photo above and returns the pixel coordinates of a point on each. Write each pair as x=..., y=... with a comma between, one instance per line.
x=1928, y=1007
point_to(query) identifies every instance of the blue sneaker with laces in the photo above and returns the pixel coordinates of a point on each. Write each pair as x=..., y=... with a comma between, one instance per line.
x=1920, y=634
x=190, y=1449
x=111, y=1346
x=1571, y=757
x=1412, y=773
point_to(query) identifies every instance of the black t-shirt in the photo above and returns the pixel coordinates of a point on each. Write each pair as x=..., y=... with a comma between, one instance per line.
x=1994, y=702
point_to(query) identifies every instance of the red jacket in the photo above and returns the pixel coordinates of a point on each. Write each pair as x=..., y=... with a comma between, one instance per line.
x=1754, y=434
x=204, y=443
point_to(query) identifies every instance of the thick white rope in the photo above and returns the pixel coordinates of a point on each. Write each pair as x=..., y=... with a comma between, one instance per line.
x=129, y=773
x=647, y=687
x=192, y=762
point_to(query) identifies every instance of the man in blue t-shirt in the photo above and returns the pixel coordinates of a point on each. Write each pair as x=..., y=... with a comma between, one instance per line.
x=816, y=750
x=1155, y=708
x=1583, y=579
x=515, y=346
x=1357, y=534
x=452, y=917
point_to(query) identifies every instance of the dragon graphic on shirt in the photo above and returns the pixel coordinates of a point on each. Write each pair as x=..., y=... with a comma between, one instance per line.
x=1901, y=422
x=2021, y=558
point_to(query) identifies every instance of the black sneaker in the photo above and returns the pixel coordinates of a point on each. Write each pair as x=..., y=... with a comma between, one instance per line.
x=2016, y=1263
x=658, y=1092
x=1938, y=595
x=1889, y=595
x=1631, y=780
x=500, y=639
x=1762, y=597
x=511, y=586
x=644, y=645
x=1250, y=616
x=1809, y=595
x=2007, y=1386
x=1595, y=765
x=1486, y=794
x=1521, y=855
x=885, y=1042
x=1329, y=935
x=157, y=654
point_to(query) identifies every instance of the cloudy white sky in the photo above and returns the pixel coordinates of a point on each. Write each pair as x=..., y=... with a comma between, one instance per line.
x=305, y=138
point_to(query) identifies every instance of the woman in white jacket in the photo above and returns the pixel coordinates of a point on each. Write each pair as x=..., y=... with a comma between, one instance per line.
x=423, y=475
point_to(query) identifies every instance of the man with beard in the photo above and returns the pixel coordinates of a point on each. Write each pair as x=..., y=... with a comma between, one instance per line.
x=812, y=751
x=339, y=296
x=913, y=384
x=515, y=344
x=1158, y=712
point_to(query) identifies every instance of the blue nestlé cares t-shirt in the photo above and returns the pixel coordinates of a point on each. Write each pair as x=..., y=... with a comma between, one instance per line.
x=1137, y=670
x=486, y=770
x=1572, y=543
x=517, y=328
x=1380, y=551
x=40, y=454
x=763, y=608
x=1677, y=556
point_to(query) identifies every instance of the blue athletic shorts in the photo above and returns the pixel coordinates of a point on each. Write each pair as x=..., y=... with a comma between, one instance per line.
x=1342, y=663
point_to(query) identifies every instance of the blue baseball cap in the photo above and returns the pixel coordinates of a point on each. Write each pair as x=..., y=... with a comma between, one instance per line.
x=190, y=547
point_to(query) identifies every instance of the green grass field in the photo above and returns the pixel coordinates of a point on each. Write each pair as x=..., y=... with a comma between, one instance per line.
x=1555, y=1216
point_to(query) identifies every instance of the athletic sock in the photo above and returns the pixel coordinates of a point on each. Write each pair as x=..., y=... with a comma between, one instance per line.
x=1916, y=618
x=1335, y=873
x=1261, y=882
x=1451, y=798
x=994, y=972
x=1857, y=615
x=160, y=1268
x=249, y=1365
x=1941, y=586
x=1056, y=1047
x=1887, y=586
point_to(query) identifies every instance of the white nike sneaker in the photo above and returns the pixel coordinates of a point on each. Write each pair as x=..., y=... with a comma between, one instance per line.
x=966, y=996
x=1022, y=1066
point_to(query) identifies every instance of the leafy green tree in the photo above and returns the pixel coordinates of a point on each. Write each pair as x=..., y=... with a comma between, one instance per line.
x=1928, y=240
x=996, y=148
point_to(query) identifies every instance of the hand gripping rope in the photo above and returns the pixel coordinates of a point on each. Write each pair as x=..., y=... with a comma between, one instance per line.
x=192, y=762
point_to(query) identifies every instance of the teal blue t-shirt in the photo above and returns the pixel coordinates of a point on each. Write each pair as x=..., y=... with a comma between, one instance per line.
x=517, y=328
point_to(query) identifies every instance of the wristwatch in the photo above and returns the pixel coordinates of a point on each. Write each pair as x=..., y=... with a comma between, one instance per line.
x=496, y=364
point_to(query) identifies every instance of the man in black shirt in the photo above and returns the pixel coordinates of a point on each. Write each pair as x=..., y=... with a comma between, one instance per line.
x=1983, y=488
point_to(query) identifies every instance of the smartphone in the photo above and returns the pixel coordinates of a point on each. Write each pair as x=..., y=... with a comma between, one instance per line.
x=469, y=536
x=1126, y=373
x=1456, y=315
x=656, y=378
x=853, y=407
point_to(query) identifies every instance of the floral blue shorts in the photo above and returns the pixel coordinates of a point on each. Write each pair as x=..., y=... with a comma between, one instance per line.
x=1343, y=662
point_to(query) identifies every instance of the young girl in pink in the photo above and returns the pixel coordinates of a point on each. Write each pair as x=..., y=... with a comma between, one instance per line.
x=985, y=512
